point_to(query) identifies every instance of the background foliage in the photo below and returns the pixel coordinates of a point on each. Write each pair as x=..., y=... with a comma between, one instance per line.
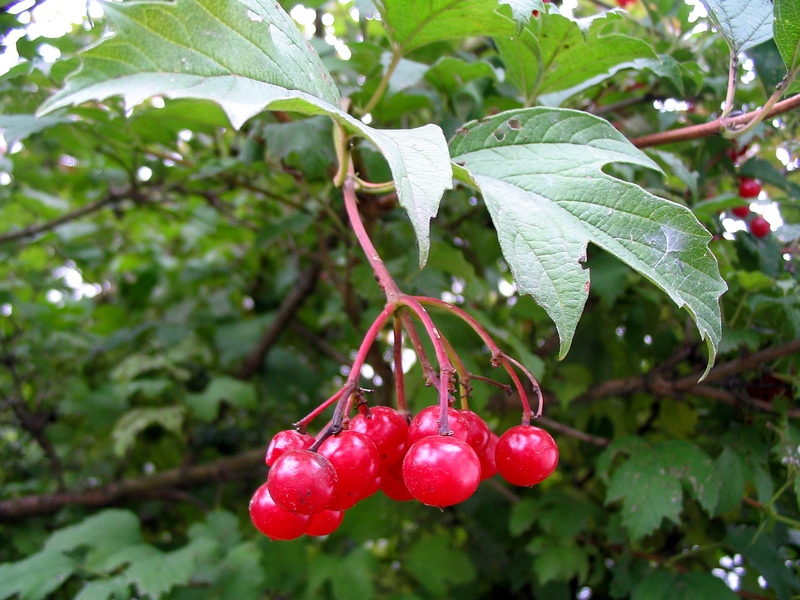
x=174, y=290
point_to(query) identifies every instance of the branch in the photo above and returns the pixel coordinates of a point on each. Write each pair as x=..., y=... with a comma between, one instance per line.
x=712, y=127
x=660, y=385
x=302, y=289
x=235, y=467
x=113, y=197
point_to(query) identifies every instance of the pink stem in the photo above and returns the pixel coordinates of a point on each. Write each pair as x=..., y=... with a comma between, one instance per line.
x=498, y=357
x=399, y=376
x=355, y=371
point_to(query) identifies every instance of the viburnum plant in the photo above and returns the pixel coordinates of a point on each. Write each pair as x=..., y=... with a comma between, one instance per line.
x=438, y=457
x=539, y=171
x=437, y=214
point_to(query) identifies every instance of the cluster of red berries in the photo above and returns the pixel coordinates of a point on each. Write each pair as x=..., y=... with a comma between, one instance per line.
x=312, y=482
x=758, y=225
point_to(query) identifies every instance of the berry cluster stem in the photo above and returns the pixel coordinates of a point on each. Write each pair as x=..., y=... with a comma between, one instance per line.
x=405, y=309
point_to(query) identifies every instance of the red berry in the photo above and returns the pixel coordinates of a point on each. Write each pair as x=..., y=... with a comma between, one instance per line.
x=526, y=455
x=426, y=423
x=760, y=227
x=441, y=470
x=387, y=428
x=302, y=482
x=392, y=484
x=357, y=463
x=274, y=521
x=748, y=187
x=488, y=465
x=289, y=439
x=742, y=211
x=325, y=523
x=624, y=3
x=479, y=432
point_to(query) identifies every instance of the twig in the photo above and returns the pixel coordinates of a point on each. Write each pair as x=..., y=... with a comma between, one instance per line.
x=241, y=466
x=302, y=289
x=584, y=437
x=113, y=197
x=712, y=127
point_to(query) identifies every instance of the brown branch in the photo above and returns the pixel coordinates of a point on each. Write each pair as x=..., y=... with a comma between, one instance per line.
x=714, y=127
x=302, y=289
x=235, y=467
x=113, y=197
x=584, y=437
x=656, y=383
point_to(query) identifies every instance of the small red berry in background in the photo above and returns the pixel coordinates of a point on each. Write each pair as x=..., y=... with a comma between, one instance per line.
x=272, y=520
x=760, y=227
x=625, y=3
x=302, y=482
x=388, y=430
x=526, y=455
x=426, y=423
x=288, y=439
x=742, y=211
x=441, y=470
x=749, y=187
x=325, y=523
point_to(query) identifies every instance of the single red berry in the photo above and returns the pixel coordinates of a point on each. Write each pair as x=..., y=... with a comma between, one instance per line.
x=325, y=523
x=272, y=520
x=526, y=455
x=302, y=482
x=289, y=439
x=760, y=227
x=357, y=463
x=387, y=428
x=392, y=484
x=624, y=3
x=479, y=432
x=748, y=187
x=441, y=470
x=426, y=423
x=742, y=211
x=488, y=465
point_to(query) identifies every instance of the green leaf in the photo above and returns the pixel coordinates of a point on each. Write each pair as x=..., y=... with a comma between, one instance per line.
x=105, y=533
x=139, y=419
x=157, y=574
x=744, y=23
x=205, y=405
x=17, y=127
x=415, y=23
x=436, y=564
x=764, y=555
x=584, y=57
x=787, y=32
x=540, y=173
x=523, y=516
x=650, y=483
x=205, y=41
x=250, y=57
x=558, y=560
x=662, y=585
x=105, y=589
x=239, y=576
x=37, y=576
x=352, y=579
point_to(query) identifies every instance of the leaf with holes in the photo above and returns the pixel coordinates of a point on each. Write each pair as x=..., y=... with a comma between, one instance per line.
x=744, y=23
x=650, y=484
x=247, y=56
x=540, y=172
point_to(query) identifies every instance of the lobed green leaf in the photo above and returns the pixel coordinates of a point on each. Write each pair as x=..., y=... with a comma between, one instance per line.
x=540, y=173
